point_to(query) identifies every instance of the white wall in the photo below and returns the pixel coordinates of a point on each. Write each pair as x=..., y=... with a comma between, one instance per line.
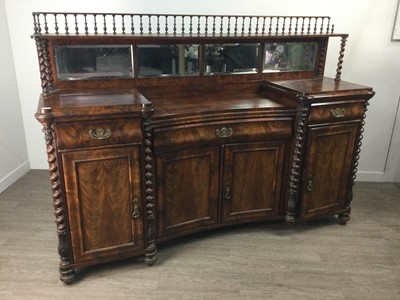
x=370, y=58
x=13, y=152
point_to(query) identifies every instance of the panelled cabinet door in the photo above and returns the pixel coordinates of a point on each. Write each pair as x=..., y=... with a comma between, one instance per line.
x=104, y=202
x=252, y=180
x=187, y=190
x=329, y=157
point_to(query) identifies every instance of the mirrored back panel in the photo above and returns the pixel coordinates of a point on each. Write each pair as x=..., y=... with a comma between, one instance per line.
x=167, y=60
x=79, y=62
x=290, y=56
x=93, y=61
x=231, y=58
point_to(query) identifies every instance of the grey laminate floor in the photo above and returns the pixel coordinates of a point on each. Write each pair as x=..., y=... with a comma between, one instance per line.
x=314, y=260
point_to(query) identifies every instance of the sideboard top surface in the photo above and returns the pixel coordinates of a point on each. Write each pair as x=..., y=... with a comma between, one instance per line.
x=321, y=85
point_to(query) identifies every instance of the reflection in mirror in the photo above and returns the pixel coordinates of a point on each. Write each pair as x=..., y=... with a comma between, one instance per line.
x=167, y=60
x=92, y=61
x=286, y=57
x=231, y=58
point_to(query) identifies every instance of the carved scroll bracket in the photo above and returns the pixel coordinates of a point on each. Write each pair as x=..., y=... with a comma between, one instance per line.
x=297, y=156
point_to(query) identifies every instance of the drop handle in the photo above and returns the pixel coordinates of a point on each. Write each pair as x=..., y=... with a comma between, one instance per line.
x=309, y=184
x=136, y=209
x=228, y=191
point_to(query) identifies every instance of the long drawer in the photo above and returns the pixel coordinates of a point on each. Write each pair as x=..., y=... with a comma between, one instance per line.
x=199, y=134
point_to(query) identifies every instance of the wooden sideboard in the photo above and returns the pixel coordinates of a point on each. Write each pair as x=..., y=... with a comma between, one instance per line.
x=154, y=132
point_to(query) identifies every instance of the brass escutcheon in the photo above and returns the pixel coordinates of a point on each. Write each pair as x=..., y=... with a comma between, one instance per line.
x=100, y=133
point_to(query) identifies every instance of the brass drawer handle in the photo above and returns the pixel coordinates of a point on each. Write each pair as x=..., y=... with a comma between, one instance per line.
x=224, y=132
x=338, y=112
x=100, y=133
x=136, y=210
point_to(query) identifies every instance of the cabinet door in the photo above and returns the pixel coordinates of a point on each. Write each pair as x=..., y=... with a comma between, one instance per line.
x=104, y=202
x=252, y=180
x=187, y=190
x=328, y=162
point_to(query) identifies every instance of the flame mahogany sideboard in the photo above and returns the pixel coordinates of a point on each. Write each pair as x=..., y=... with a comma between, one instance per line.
x=158, y=126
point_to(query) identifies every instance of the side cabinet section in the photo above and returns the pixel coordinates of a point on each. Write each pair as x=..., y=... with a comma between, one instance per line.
x=103, y=192
x=187, y=189
x=252, y=180
x=329, y=157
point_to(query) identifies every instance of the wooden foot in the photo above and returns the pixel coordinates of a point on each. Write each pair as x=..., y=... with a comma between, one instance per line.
x=289, y=218
x=67, y=273
x=150, y=255
x=344, y=216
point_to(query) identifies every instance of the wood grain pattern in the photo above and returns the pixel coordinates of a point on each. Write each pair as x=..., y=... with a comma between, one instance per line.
x=187, y=190
x=100, y=187
x=72, y=135
x=324, y=112
x=205, y=134
x=252, y=180
x=328, y=168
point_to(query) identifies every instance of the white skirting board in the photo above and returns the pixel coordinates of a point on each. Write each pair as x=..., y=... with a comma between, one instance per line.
x=370, y=176
x=13, y=176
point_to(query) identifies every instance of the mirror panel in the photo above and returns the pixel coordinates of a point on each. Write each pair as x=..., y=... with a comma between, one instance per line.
x=92, y=61
x=231, y=58
x=167, y=60
x=288, y=57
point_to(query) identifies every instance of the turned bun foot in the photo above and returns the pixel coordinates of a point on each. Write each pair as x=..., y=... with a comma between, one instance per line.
x=67, y=274
x=150, y=256
x=344, y=216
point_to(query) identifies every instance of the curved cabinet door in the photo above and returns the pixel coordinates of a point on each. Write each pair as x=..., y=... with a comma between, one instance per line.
x=252, y=180
x=328, y=164
x=187, y=190
x=104, y=202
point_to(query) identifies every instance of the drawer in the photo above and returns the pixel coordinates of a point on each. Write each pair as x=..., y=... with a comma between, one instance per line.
x=98, y=133
x=200, y=134
x=336, y=112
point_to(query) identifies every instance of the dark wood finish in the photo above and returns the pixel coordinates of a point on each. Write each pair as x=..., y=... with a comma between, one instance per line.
x=329, y=157
x=134, y=161
x=252, y=180
x=187, y=190
x=336, y=112
x=193, y=134
x=103, y=190
x=88, y=134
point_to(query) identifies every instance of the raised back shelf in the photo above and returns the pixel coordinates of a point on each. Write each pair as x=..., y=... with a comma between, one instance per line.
x=90, y=50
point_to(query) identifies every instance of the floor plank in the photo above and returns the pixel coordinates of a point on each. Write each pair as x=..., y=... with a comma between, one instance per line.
x=312, y=260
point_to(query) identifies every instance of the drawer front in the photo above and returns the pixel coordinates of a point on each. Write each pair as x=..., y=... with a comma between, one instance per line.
x=98, y=133
x=336, y=112
x=221, y=133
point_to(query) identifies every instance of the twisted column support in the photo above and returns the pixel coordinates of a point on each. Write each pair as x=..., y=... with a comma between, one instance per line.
x=67, y=273
x=151, y=247
x=297, y=157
